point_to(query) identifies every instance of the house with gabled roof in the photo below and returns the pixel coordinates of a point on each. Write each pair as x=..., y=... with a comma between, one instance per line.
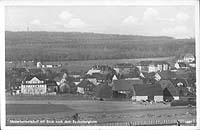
x=179, y=65
x=151, y=92
x=169, y=90
x=126, y=70
x=85, y=87
x=123, y=88
x=33, y=85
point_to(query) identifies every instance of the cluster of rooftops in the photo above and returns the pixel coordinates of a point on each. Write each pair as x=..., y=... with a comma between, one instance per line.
x=146, y=78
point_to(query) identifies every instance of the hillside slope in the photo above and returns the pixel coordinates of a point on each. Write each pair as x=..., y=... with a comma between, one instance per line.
x=54, y=46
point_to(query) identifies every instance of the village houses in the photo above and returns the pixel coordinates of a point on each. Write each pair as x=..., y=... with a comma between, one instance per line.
x=153, y=66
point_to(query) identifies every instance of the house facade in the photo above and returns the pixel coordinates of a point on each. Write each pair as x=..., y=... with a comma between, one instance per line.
x=153, y=66
x=34, y=86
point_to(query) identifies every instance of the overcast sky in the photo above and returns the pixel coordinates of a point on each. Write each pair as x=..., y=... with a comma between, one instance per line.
x=175, y=21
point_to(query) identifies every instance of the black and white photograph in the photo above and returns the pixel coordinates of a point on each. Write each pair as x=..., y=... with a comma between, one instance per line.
x=100, y=65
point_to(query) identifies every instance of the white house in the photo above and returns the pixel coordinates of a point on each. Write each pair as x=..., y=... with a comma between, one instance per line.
x=33, y=85
x=153, y=66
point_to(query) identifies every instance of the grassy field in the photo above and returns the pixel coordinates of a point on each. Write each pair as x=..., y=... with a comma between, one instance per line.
x=100, y=111
x=87, y=64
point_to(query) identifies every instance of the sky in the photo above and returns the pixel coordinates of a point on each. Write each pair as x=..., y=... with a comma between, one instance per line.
x=175, y=21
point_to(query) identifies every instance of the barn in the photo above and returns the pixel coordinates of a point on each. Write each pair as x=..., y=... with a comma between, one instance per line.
x=150, y=92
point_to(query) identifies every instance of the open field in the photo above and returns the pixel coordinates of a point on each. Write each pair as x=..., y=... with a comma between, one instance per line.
x=87, y=64
x=92, y=110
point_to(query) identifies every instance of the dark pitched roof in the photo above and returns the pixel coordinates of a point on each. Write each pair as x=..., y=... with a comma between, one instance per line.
x=148, y=90
x=125, y=85
x=85, y=83
x=167, y=74
x=29, y=77
x=149, y=75
x=99, y=76
x=103, y=91
x=182, y=64
x=148, y=62
x=170, y=86
x=185, y=74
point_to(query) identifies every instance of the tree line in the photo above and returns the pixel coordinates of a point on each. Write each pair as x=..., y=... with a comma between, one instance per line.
x=58, y=46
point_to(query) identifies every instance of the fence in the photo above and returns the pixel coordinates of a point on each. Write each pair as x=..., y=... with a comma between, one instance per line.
x=144, y=123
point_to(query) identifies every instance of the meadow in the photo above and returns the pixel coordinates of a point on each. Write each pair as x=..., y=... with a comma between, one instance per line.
x=93, y=110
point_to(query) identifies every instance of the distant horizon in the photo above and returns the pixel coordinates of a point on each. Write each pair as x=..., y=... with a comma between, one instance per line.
x=103, y=34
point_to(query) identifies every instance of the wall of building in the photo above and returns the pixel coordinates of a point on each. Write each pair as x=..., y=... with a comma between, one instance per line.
x=33, y=89
x=158, y=98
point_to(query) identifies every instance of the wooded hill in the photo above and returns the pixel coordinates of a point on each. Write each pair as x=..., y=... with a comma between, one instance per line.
x=55, y=46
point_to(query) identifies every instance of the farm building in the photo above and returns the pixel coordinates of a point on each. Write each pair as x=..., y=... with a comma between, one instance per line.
x=124, y=88
x=169, y=90
x=151, y=92
x=103, y=90
x=33, y=85
x=85, y=87
x=179, y=65
x=189, y=57
x=153, y=66
x=126, y=70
